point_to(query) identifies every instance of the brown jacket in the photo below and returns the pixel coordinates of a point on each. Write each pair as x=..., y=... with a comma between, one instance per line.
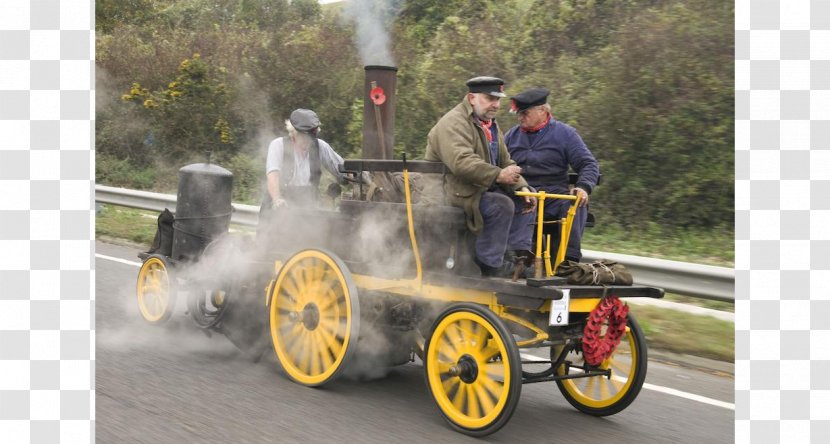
x=460, y=143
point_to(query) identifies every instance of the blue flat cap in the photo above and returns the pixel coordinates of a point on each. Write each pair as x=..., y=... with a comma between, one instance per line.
x=529, y=98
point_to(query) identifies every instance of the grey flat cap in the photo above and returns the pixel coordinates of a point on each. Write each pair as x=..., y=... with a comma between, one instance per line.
x=304, y=120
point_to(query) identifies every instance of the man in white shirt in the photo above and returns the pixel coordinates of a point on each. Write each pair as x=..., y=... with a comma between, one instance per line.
x=294, y=164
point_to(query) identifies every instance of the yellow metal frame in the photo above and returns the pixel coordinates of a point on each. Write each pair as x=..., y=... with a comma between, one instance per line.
x=566, y=223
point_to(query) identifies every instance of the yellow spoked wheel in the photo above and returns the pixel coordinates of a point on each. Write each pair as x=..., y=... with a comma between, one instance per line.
x=600, y=396
x=314, y=317
x=156, y=289
x=473, y=369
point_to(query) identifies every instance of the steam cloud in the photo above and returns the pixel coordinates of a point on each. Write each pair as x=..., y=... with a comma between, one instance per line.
x=372, y=19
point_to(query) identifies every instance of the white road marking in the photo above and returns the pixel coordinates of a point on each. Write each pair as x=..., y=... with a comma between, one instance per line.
x=119, y=260
x=690, y=396
x=526, y=357
x=657, y=388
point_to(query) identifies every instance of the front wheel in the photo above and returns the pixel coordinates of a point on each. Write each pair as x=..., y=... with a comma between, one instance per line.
x=156, y=289
x=600, y=396
x=473, y=369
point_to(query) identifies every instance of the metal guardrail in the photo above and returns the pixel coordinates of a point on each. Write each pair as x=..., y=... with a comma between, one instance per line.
x=146, y=200
x=701, y=281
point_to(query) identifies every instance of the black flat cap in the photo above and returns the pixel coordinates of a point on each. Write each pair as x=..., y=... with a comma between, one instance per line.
x=304, y=120
x=529, y=98
x=493, y=86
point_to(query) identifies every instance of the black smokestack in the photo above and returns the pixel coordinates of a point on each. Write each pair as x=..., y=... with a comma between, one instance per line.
x=382, y=115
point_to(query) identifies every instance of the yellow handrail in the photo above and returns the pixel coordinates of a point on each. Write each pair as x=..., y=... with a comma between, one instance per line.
x=418, y=271
x=565, y=235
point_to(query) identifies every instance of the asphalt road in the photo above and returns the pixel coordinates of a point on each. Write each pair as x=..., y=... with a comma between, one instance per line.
x=175, y=384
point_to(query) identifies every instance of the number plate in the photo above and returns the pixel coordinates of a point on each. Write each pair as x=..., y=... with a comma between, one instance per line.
x=559, y=309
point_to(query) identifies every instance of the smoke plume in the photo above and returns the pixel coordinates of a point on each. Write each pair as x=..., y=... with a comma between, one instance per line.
x=372, y=20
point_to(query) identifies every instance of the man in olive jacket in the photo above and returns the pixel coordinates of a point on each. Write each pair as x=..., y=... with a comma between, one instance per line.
x=482, y=178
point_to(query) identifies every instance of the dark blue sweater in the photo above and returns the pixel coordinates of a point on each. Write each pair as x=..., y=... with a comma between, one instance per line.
x=545, y=156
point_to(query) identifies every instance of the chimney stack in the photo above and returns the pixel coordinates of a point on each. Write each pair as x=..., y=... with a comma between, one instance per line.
x=383, y=115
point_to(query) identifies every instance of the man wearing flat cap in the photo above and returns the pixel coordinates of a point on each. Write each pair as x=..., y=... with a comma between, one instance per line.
x=482, y=177
x=295, y=163
x=545, y=148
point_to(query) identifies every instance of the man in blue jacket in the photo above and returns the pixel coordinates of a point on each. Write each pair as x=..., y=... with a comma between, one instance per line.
x=545, y=148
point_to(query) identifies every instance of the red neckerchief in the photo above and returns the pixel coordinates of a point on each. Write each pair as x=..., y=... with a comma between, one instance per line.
x=486, y=126
x=538, y=127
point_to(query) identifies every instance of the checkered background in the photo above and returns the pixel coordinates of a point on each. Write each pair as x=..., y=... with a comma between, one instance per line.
x=47, y=342
x=782, y=128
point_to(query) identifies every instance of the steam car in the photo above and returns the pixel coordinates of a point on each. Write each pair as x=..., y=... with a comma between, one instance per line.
x=314, y=282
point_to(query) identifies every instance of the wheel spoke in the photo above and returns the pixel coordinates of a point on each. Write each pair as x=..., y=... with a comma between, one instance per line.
x=604, y=393
x=305, y=276
x=295, y=345
x=450, y=384
x=287, y=302
x=329, y=298
x=330, y=340
x=336, y=327
x=315, y=353
x=305, y=353
x=495, y=371
x=458, y=339
x=459, y=400
x=325, y=349
x=153, y=277
x=447, y=348
x=590, y=387
x=481, y=336
x=618, y=368
x=495, y=387
x=465, y=327
x=484, y=398
x=157, y=305
x=489, y=352
x=472, y=402
x=320, y=271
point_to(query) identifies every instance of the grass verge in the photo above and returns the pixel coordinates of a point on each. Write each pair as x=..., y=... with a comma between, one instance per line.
x=685, y=333
x=705, y=303
x=136, y=226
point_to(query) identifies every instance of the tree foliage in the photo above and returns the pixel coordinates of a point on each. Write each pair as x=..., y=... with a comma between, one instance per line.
x=647, y=83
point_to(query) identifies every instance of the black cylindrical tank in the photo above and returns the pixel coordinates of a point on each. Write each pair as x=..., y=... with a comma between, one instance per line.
x=203, y=208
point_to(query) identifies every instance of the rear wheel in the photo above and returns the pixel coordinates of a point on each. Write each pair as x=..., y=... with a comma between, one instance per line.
x=156, y=289
x=473, y=369
x=600, y=396
x=214, y=288
x=314, y=317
